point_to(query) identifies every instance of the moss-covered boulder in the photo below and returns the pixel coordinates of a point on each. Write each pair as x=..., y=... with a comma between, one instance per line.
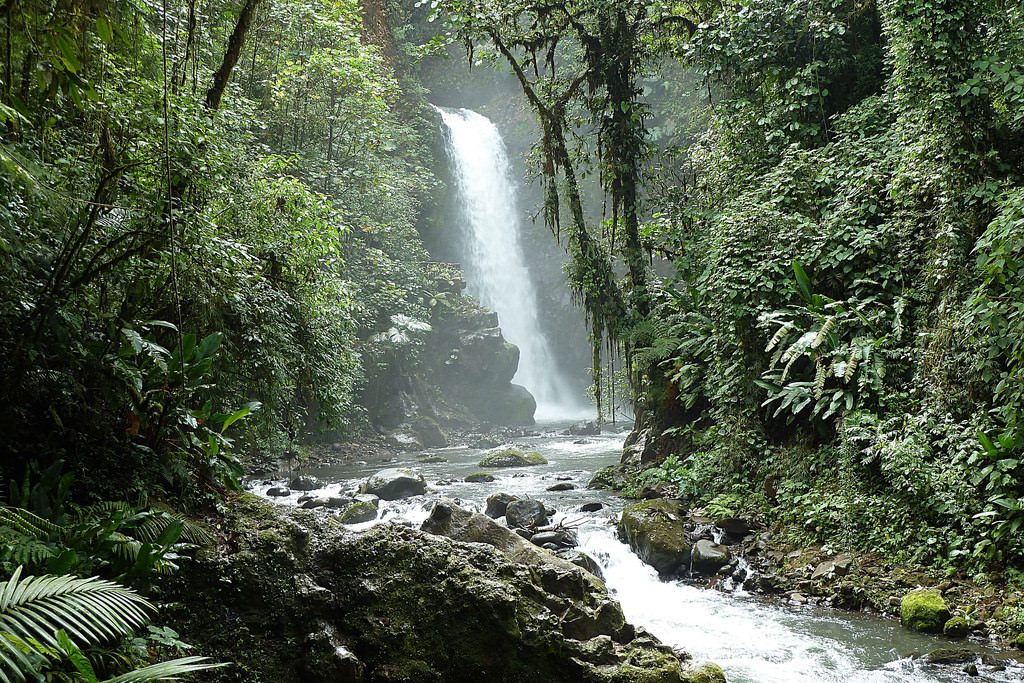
x=479, y=478
x=612, y=477
x=315, y=602
x=924, y=610
x=956, y=627
x=512, y=457
x=703, y=672
x=395, y=484
x=363, y=511
x=654, y=530
x=430, y=432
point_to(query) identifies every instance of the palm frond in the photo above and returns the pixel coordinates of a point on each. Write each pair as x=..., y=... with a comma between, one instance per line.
x=165, y=671
x=33, y=609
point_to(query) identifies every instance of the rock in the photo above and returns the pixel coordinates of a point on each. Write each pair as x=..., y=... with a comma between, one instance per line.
x=278, y=491
x=585, y=428
x=734, y=527
x=406, y=605
x=640, y=447
x=563, y=486
x=339, y=502
x=612, y=477
x=427, y=459
x=368, y=498
x=558, y=538
x=358, y=513
x=581, y=559
x=480, y=477
x=317, y=502
x=403, y=440
x=328, y=658
x=429, y=432
x=956, y=627
x=709, y=556
x=305, y=483
x=951, y=655
x=394, y=484
x=1018, y=642
x=591, y=507
x=924, y=610
x=702, y=672
x=517, y=405
x=485, y=443
x=526, y=514
x=511, y=457
x=582, y=442
x=654, y=530
x=832, y=568
x=971, y=669
x=497, y=504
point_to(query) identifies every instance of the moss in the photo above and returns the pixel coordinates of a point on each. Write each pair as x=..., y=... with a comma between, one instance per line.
x=703, y=672
x=429, y=432
x=924, y=610
x=479, y=477
x=654, y=529
x=363, y=511
x=1018, y=642
x=957, y=627
x=511, y=457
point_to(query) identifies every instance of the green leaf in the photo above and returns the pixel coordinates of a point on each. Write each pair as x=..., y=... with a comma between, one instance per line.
x=103, y=30
x=239, y=414
x=78, y=660
x=68, y=56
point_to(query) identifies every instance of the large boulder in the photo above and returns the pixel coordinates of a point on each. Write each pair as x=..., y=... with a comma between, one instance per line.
x=655, y=530
x=709, y=556
x=497, y=504
x=526, y=514
x=612, y=477
x=305, y=483
x=318, y=603
x=511, y=457
x=429, y=432
x=394, y=484
x=358, y=513
x=924, y=610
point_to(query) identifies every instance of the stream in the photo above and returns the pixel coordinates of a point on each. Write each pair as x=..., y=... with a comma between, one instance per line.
x=754, y=640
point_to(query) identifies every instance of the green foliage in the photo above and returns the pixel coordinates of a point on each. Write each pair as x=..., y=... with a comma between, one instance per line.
x=44, y=619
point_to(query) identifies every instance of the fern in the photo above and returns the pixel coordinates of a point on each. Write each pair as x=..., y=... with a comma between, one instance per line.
x=24, y=550
x=28, y=523
x=823, y=332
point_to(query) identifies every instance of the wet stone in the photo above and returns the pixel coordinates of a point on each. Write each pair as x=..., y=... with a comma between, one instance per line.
x=279, y=491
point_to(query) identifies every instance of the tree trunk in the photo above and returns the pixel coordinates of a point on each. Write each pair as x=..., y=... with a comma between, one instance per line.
x=220, y=79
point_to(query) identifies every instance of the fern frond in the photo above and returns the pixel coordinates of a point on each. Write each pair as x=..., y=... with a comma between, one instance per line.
x=823, y=332
x=93, y=610
x=851, y=363
x=28, y=523
x=779, y=334
x=821, y=373
x=26, y=550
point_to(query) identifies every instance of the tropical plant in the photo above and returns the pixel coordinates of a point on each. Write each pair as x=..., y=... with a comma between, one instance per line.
x=44, y=619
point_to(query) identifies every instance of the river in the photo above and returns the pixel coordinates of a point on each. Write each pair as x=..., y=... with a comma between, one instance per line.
x=754, y=640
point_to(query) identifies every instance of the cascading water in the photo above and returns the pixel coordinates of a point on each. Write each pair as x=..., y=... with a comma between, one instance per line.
x=493, y=259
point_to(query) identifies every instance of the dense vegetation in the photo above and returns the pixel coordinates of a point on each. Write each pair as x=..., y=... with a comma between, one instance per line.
x=208, y=245
x=839, y=348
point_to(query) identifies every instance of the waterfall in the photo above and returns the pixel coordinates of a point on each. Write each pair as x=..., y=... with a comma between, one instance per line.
x=493, y=259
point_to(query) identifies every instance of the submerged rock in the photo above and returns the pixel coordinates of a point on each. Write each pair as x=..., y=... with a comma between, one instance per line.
x=654, y=529
x=279, y=491
x=924, y=610
x=951, y=655
x=480, y=477
x=585, y=428
x=394, y=484
x=512, y=457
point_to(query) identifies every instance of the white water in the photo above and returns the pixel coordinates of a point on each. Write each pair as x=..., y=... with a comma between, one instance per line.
x=493, y=259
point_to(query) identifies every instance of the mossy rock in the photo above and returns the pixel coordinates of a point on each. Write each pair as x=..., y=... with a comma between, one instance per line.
x=612, y=477
x=363, y=511
x=956, y=627
x=429, y=432
x=1018, y=642
x=924, y=610
x=703, y=672
x=395, y=484
x=512, y=457
x=479, y=477
x=428, y=459
x=654, y=530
